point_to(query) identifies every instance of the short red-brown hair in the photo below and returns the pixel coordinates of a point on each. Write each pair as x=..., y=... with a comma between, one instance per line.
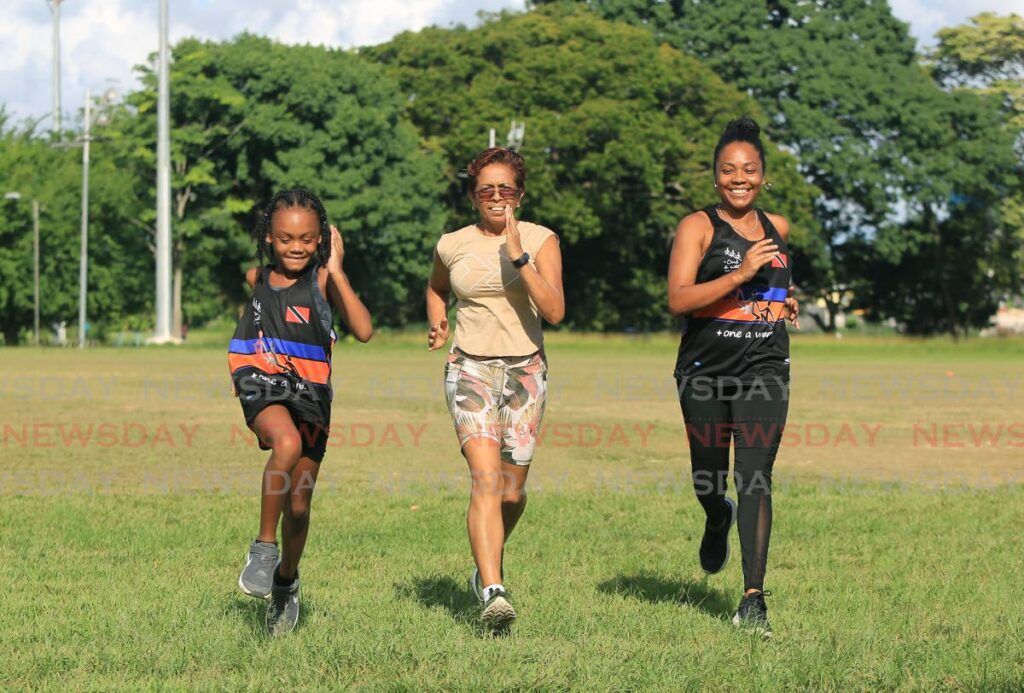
x=497, y=155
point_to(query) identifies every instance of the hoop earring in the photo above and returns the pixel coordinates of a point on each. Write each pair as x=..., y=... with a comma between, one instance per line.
x=768, y=187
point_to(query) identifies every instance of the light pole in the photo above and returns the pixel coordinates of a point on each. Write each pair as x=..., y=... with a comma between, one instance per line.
x=106, y=100
x=35, y=261
x=55, y=14
x=83, y=261
x=163, y=188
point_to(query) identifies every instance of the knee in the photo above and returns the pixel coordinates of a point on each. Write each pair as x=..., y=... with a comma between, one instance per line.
x=753, y=480
x=287, y=447
x=513, y=496
x=299, y=507
x=488, y=485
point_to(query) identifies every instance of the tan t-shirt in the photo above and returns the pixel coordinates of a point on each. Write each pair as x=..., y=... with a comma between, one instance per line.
x=495, y=315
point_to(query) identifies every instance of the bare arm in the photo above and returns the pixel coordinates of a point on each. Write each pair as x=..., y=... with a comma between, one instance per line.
x=250, y=276
x=684, y=294
x=354, y=314
x=438, y=290
x=543, y=284
x=781, y=225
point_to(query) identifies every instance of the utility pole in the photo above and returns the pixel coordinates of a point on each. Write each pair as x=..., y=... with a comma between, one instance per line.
x=83, y=264
x=55, y=15
x=163, y=188
x=35, y=269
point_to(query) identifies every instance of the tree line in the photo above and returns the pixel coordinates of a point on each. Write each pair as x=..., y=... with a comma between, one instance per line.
x=900, y=171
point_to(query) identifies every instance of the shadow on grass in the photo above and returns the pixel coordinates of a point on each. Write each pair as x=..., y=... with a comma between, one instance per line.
x=653, y=588
x=442, y=592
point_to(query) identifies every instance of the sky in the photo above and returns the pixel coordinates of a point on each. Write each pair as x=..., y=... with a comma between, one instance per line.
x=101, y=40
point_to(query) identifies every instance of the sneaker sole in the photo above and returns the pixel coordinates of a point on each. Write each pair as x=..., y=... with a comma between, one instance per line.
x=246, y=591
x=764, y=632
x=499, y=614
x=728, y=546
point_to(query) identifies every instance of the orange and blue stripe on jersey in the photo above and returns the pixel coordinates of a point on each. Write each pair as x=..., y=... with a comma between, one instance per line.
x=270, y=355
x=759, y=304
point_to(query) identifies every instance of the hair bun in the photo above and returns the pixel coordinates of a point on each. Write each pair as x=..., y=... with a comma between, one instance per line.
x=746, y=127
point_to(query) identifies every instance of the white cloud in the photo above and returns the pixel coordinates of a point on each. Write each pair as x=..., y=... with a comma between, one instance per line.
x=103, y=39
x=926, y=17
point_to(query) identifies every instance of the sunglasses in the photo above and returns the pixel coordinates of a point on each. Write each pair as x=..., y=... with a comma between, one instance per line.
x=505, y=192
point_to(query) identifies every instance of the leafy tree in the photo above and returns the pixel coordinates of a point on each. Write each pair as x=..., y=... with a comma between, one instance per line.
x=841, y=84
x=618, y=141
x=987, y=56
x=117, y=284
x=250, y=116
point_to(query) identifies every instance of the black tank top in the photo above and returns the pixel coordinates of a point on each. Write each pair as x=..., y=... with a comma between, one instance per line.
x=742, y=335
x=287, y=331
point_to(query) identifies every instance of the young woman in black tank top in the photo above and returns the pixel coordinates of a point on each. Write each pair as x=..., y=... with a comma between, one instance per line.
x=729, y=276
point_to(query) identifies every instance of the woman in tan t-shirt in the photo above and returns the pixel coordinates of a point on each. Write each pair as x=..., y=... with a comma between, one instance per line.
x=506, y=275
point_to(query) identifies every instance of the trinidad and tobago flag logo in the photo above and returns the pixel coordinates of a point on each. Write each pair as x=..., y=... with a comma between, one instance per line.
x=298, y=314
x=781, y=261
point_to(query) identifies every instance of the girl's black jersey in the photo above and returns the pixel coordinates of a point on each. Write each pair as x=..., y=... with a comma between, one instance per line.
x=286, y=334
x=742, y=335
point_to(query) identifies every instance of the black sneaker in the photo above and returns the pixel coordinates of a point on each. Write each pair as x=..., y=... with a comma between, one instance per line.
x=714, y=547
x=498, y=613
x=752, y=614
x=283, y=609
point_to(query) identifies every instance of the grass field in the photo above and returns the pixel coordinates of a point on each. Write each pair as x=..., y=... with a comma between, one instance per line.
x=130, y=489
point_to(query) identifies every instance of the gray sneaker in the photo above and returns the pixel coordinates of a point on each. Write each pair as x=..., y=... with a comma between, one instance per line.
x=498, y=613
x=476, y=585
x=258, y=574
x=283, y=609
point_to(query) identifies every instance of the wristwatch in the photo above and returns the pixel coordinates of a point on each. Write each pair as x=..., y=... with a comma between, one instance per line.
x=521, y=260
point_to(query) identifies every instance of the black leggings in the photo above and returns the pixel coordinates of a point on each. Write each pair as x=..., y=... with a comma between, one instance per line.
x=722, y=411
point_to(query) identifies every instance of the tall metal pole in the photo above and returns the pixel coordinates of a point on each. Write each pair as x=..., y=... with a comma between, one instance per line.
x=35, y=268
x=55, y=13
x=83, y=267
x=163, y=188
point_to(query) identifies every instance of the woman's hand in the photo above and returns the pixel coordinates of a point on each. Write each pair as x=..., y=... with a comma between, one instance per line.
x=513, y=242
x=337, y=251
x=791, y=309
x=759, y=255
x=438, y=335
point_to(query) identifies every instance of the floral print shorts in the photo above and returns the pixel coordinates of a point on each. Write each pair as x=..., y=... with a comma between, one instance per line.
x=499, y=398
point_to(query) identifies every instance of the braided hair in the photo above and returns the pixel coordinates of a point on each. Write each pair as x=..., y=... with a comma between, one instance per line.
x=290, y=199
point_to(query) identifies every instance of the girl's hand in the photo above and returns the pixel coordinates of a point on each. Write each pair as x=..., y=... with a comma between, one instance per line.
x=760, y=254
x=337, y=251
x=791, y=310
x=438, y=335
x=513, y=242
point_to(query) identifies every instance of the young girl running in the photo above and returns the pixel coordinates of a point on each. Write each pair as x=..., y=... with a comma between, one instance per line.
x=729, y=274
x=280, y=361
x=507, y=276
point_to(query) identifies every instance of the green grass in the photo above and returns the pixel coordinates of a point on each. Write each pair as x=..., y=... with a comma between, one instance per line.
x=893, y=565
